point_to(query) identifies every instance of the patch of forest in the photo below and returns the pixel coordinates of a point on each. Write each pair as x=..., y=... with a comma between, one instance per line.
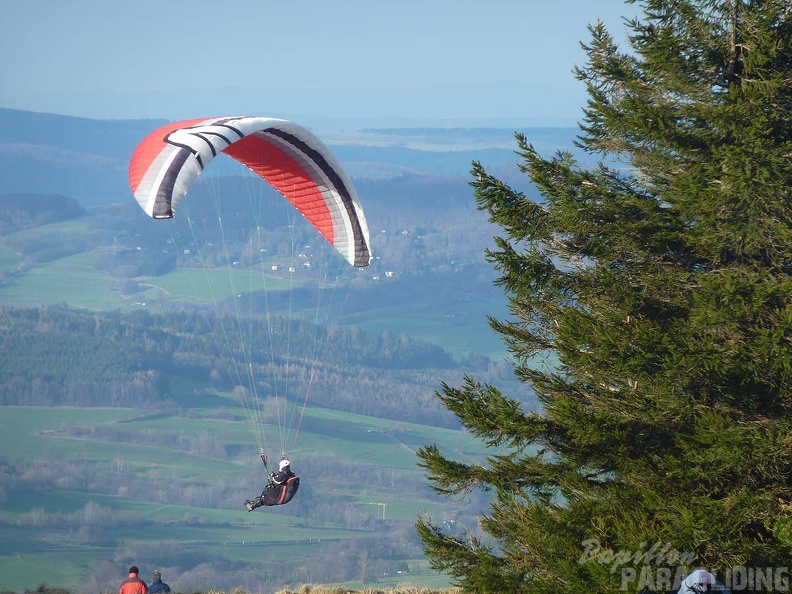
x=57, y=356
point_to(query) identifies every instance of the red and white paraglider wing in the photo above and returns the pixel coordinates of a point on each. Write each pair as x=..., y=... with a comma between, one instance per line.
x=286, y=155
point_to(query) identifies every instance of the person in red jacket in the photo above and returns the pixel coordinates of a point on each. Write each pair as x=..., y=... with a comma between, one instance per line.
x=133, y=584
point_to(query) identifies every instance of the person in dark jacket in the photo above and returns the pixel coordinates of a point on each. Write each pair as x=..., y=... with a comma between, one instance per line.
x=157, y=585
x=133, y=584
x=280, y=487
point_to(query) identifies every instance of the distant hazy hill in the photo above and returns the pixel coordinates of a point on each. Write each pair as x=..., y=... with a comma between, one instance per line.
x=87, y=159
x=53, y=154
x=21, y=211
x=106, y=138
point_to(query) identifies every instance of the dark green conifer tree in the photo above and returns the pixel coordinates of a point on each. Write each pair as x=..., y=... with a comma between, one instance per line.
x=660, y=282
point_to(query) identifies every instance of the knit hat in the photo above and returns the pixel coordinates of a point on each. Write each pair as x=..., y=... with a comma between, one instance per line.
x=133, y=569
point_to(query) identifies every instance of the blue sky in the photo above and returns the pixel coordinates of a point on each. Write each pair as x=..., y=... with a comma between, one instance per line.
x=411, y=61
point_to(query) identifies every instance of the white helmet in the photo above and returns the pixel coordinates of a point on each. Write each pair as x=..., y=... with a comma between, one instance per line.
x=283, y=464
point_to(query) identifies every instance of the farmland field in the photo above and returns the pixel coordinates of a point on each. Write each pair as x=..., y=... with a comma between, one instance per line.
x=72, y=280
x=45, y=532
x=9, y=260
x=459, y=327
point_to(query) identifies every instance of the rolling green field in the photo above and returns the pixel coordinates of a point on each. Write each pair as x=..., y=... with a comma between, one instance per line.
x=459, y=327
x=207, y=285
x=9, y=260
x=72, y=280
x=34, y=551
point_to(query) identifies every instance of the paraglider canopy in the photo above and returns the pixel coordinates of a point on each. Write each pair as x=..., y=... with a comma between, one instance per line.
x=302, y=169
x=289, y=157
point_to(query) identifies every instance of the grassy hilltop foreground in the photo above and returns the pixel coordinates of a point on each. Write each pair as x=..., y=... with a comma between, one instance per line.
x=305, y=589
